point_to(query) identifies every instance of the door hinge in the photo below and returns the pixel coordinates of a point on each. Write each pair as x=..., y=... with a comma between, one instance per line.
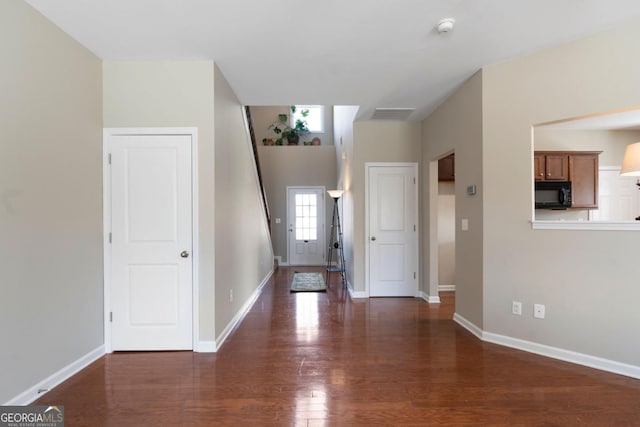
x=110, y=237
x=414, y=227
x=109, y=157
x=414, y=179
x=414, y=274
x=111, y=316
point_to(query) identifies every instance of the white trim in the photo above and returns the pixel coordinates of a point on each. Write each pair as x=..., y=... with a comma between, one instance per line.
x=206, y=347
x=586, y=225
x=278, y=258
x=552, y=352
x=53, y=380
x=429, y=299
x=609, y=168
x=566, y=355
x=367, y=167
x=323, y=215
x=108, y=133
x=237, y=319
x=357, y=294
x=469, y=326
x=446, y=288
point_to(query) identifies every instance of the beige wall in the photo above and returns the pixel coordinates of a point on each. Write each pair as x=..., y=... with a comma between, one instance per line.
x=376, y=141
x=173, y=94
x=343, y=117
x=263, y=116
x=243, y=254
x=456, y=126
x=295, y=166
x=588, y=280
x=50, y=200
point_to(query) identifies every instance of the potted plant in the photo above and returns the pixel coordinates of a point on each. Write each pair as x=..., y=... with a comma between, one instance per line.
x=284, y=130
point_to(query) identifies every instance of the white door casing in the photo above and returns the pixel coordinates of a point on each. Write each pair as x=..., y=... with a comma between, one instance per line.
x=149, y=261
x=392, y=229
x=306, y=225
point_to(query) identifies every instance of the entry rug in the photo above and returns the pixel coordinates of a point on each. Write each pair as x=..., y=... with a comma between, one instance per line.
x=308, y=282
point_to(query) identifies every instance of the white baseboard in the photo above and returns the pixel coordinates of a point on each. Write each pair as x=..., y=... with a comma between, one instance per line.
x=237, y=319
x=356, y=294
x=566, y=355
x=469, y=326
x=446, y=288
x=428, y=298
x=33, y=393
x=206, y=347
x=552, y=352
x=278, y=259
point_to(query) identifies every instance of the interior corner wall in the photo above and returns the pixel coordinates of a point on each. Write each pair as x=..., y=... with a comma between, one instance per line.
x=588, y=280
x=243, y=253
x=376, y=141
x=302, y=166
x=50, y=200
x=173, y=94
x=457, y=125
x=343, y=117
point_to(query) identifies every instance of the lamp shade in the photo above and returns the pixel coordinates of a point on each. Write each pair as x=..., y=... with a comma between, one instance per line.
x=631, y=161
x=335, y=194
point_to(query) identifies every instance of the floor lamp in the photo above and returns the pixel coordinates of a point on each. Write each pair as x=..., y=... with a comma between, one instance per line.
x=335, y=241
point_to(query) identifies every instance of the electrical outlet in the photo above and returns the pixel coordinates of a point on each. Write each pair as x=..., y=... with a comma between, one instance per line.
x=538, y=311
x=516, y=308
x=230, y=295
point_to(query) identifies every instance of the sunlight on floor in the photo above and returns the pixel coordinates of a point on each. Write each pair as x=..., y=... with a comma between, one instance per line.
x=307, y=322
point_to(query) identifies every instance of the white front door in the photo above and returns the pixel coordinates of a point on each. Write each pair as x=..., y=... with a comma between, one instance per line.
x=305, y=218
x=393, y=237
x=151, y=223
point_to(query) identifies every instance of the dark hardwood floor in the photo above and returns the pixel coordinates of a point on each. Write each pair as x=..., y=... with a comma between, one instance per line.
x=322, y=359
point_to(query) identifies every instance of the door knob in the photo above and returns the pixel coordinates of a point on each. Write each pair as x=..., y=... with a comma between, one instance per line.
x=184, y=254
x=373, y=238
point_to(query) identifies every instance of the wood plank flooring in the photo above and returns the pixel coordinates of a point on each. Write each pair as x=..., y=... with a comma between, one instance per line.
x=316, y=359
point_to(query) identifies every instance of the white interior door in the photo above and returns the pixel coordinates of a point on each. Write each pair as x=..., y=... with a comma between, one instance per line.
x=393, y=237
x=305, y=218
x=151, y=263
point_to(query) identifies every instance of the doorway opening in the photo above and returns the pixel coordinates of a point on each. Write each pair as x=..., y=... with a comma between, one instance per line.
x=306, y=225
x=446, y=224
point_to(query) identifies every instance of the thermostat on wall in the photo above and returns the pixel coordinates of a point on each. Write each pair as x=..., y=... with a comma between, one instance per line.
x=471, y=190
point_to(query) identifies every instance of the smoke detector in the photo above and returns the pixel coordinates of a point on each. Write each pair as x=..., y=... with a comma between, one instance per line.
x=445, y=25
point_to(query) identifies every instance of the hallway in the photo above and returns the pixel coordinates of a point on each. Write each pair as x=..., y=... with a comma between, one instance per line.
x=324, y=359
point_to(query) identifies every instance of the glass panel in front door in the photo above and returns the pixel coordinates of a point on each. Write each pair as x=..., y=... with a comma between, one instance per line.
x=306, y=220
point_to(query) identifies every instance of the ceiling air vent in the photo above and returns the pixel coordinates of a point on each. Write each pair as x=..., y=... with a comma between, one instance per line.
x=392, y=113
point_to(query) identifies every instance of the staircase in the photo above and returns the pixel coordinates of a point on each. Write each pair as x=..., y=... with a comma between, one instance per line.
x=254, y=144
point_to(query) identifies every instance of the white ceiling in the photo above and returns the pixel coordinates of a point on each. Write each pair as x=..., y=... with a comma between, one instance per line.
x=371, y=53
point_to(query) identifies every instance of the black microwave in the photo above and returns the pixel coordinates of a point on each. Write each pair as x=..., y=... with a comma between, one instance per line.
x=552, y=194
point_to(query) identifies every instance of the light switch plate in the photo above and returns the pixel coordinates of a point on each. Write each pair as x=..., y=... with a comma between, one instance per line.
x=464, y=224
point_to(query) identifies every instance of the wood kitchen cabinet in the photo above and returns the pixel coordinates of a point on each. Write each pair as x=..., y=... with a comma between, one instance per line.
x=579, y=167
x=551, y=166
x=446, y=168
x=583, y=168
